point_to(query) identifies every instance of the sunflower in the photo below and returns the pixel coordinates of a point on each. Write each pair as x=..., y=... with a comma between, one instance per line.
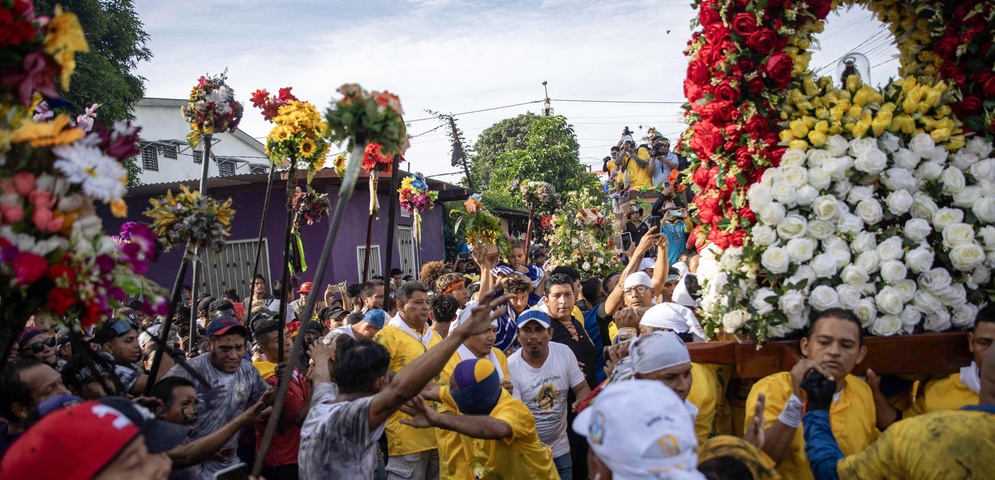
x=307, y=148
x=340, y=164
x=46, y=134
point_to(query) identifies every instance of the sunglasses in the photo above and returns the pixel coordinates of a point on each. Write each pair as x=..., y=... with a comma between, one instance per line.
x=122, y=327
x=39, y=346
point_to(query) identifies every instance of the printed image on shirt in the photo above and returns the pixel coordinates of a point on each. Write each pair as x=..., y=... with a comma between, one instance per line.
x=546, y=398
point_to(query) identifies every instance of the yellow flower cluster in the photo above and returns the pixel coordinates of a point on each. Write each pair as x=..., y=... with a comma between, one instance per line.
x=298, y=135
x=818, y=110
x=62, y=40
x=171, y=210
x=58, y=132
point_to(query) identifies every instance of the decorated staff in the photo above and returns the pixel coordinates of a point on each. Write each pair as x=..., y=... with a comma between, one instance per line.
x=358, y=118
x=415, y=197
x=375, y=162
x=211, y=108
x=540, y=198
x=481, y=229
x=583, y=237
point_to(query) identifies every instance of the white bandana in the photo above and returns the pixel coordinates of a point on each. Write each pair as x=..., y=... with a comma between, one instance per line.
x=465, y=354
x=424, y=339
x=970, y=378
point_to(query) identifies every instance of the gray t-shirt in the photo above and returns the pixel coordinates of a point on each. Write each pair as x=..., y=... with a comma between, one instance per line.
x=129, y=374
x=227, y=398
x=336, y=440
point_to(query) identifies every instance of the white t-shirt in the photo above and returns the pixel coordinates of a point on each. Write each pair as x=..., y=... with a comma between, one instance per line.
x=337, y=440
x=544, y=390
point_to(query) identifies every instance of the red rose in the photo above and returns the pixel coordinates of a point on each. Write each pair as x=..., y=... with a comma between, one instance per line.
x=762, y=40
x=988, y=87
x=737, y=238
x=727, y=92
x=719, y=238
x=757, y=126
x=952, y=71
x=29, y=267
x=747, y=214
x=820, y=8
x=755, y=86
x=744, y=23
x=692, y=93
x=779, y=69
x=716, y=33
x=946, y=48
x=708, y=209
x=60, y=300
x=708, y=15
x=698, y=72
x=744, y=66
x=744, y=158
x=968, y=107
x=700, y=177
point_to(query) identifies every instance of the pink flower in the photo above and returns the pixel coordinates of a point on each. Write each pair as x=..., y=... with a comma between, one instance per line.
x=11, y=213
x=45, y=221
x=23, y=183
x=29, y=267
x=42, y=199
x=38, y=75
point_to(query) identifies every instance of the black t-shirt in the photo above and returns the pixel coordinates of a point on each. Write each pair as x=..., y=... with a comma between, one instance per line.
x=636, y=230
x=582, y=347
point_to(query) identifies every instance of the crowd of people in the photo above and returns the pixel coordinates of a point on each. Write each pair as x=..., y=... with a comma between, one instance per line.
x=488, y=367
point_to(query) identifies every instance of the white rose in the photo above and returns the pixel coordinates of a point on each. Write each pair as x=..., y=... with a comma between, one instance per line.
x=906, y=159
x=850, y=223
x=926, y=301
x=981, y=275
x=953, y=295
x=770, y=176
x=923, y=206
x=805, y=195
x=731, y=257
x=893, y=271
x=718, y=283
x=823, y=298
x=916, y=229
x=797, y=322
x=840, y=256
x=763, y=235
x=953, y=180
x=816, y=157
x=957, y=234
x=899, y=179
x=586, y=266
x=859, y=194
x=775, y=260
x=946, y=216
x=735, y=320
x=963, y=160
x=985, y=209
x=886, y=325
x=939, y=155
x=837, y=145
x=760, y=303
x=988, y=236
x=919, y=259
x=835, y=243
x=979, y=147
x=872, y=161
x=821, y=229
x=888, y=301
x=836, y=167
x=934, y=280
x=899, y=202
x=795, y=176
x=867, y=261
x=792, y=303
x=784, y=193
x=890, y=249
x=819, y=178
x=792, y=226
x=824, y=265
x=759, y=196
x=708, y=263
x=800, y=249
x=841, y=188
x=966, y=257
x=922, y=145
x=929, y=171
x=863, y=242
x=793, y=158
x=937, y=321
x=771, y=214
x=825, y=207
x=848, y=295
x=968, y=196
x=964, y=315
x=854, y=275
x=778, y=331
x=984, y=170
x=906, y=289
x=870, y=211
x=861, y=145
x=888, y=142
x=910, y=317
x=803, y=273
x=865, y=311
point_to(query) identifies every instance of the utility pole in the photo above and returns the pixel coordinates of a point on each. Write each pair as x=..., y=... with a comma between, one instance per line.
x=547, y=109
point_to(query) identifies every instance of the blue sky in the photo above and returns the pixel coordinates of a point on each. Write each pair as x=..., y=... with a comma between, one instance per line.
x=457, y=56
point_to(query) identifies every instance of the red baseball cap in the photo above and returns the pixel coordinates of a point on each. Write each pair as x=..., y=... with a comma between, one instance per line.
x=223, y=325
x=77, y=442
x=305, y=288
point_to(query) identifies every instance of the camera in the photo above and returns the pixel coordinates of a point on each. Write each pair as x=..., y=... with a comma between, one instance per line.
x=626, y=131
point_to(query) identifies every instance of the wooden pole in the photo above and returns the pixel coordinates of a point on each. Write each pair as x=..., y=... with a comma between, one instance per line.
x=174, y=301
x=291, y=191
x=392, y=214
x=345, y=193
x=369, y=227
x=196, y=251
x=259, y=243
x=528, y=237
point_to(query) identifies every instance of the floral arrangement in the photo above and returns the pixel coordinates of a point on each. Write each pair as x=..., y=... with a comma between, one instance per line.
x=211, y=108
x=583, y=236
x=415, y=197
x=372, y=117
x=298, y=134
x=54, y=256
x=189, y=219
x=339, y=164
x=480, y=227
x=311, y=207
x=539, y=197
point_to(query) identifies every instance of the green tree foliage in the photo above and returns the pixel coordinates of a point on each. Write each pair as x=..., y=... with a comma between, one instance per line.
x=548, y=152
x=105, y=74
x=505, y=136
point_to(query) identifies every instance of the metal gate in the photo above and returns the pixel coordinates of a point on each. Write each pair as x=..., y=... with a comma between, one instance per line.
x=407, y=252
x=232, y=268
x=374, y=268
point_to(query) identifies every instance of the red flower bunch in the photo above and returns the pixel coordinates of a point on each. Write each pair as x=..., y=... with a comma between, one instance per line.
x=375, y=160
x=270, y=106
x=17, y=23
x=965, y=43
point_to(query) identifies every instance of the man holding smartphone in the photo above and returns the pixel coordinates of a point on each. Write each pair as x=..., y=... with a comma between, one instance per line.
x=676, y=228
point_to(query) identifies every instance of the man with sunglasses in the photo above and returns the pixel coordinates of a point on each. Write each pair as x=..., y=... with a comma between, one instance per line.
x=118, y=338
x=36, y=343
x=24, y=384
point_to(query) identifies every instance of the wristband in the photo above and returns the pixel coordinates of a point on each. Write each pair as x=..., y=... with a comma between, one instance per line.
x=791, y=414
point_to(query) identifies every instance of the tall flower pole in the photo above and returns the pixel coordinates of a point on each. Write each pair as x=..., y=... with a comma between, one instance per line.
x=391, y=214
x=259, y=243
x=392, y=134
x=287, y=247
x=189, y=252
x=196, y=249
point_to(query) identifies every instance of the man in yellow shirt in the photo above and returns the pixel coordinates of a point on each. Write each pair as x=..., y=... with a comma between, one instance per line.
x=948, y=393
x=635, y=166
x=499, y=431
x=939, y=445
x=833, y=345
x=413, y=452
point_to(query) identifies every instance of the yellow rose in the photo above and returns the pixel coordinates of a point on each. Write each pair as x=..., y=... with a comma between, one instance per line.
x=822, y=126
x=940, y=135
x=860, y=129
x=798, y=128
x=798, y=144
x=817, y=138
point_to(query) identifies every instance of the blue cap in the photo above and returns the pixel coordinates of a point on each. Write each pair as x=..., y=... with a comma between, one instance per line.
x=224, y=325
x=376, y=317
x=533, y=314
x=50, y=405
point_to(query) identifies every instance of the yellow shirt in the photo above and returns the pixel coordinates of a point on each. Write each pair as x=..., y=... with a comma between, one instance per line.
x=936, y=446
x=705, y=394
x=521, y=456
x=638, y=176
x=852, y=418
x=453, y=461
x=942, y=394
x=404, y=349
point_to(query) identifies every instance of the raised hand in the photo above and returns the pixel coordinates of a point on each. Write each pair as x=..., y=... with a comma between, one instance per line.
x=421, y=413
x=819, y=391
x=754, y=433
x=488, y=309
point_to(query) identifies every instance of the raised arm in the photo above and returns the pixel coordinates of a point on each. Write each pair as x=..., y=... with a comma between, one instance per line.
x=615, y=300
x=474, y=426
x=485, y=262
x=662, y=269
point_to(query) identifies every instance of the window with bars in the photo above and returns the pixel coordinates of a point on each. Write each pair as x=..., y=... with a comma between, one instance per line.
x=226, y=169
x=198, y=156
x=374, y=268
x=150, y=158
x=169, y=151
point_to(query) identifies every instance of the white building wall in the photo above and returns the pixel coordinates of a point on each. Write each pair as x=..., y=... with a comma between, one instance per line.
x=162, y=122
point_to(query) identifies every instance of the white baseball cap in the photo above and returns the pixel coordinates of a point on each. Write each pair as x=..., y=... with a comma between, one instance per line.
x=640, y=430
x=647, y=263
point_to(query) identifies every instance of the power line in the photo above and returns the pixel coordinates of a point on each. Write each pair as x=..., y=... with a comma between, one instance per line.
x=477, y=111
x=647, y=102
x=892, y=59
x=881, y=30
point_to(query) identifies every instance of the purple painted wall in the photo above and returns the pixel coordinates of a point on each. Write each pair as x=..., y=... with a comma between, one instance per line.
x=247, y=201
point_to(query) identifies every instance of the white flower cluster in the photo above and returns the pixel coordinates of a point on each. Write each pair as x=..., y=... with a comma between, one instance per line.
x=898, y=234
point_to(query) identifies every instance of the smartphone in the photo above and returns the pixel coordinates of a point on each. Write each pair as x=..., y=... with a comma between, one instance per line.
x=239, y=471
x=666, y=184
x=652, y=221
x=676, y=212
x=626, y=240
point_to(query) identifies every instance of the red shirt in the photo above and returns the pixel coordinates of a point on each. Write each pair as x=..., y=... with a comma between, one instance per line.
x=283, y=449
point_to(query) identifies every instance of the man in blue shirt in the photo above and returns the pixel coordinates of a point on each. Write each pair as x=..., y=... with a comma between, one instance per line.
x=675, y=228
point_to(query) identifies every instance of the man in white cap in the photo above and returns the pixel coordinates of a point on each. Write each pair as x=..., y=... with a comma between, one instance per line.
x=542, y=373
x=638, y=290
x=636, y=431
